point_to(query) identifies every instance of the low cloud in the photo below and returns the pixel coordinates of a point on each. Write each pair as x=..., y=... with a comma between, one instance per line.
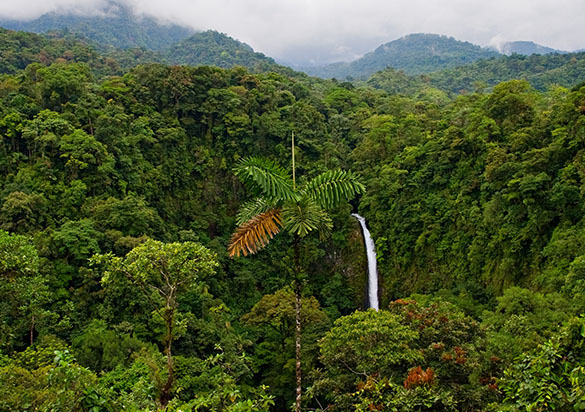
x=305, y=31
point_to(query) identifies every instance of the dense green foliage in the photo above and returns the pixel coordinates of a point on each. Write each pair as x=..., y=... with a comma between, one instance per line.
x=542, y=72
x=495, y=186
x=213, y=48
x=19, y=49
x=119, y=194
x=414, y=54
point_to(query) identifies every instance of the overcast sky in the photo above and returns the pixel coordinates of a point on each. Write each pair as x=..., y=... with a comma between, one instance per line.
x=330, y=30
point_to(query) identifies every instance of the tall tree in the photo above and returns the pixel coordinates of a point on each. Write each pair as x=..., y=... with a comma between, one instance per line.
x=280, y=204
x=25, y=297
x=162, y=273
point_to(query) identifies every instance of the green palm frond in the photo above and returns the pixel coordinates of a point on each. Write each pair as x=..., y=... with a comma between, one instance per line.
x=265, y=178
x=304, y=216
x=252, y=208
x=333, y=187
x=254, y=234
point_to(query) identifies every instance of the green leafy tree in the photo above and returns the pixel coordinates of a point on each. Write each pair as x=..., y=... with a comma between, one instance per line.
x=363, y=345
x=551, y=378
x=223, y=392
x=420, y=395
x=24, y=293
x=272, y=317
x=22, y=212
x=377, y=359
x=162, y=273
x=299, y=210
x=47, y=378
x=523, y=319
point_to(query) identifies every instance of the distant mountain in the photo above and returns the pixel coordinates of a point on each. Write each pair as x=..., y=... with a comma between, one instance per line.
x=217, y=49
x=118, y=27
x=414, y=54
x=526, y=48
x=18, y=49
x=542, y=71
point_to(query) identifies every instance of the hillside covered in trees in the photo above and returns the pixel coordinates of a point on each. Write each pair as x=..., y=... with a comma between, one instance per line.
x=216, y=49
x=122, y=185
x=526, y=48
x=414, y=54
x=543, y=72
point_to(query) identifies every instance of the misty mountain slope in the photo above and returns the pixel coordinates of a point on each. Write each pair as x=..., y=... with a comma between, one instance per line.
x=526, y=48
x=18, y=49
x=217, y=49
x=414, y=54
x=118, y=27
x=542, y=71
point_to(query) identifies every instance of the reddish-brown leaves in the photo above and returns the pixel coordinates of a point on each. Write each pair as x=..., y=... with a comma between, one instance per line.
x=255, y=233
x=418, y=377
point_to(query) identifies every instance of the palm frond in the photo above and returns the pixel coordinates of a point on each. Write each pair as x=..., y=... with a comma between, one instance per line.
x=252, y=208
x=304, y=216
x=265, y=178
x=333, y=187
x=254, y=234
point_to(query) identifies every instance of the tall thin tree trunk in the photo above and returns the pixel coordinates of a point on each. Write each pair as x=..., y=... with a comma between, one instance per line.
x=165, y=395
x=32, y=330
x=298, y=329
x=298, y=338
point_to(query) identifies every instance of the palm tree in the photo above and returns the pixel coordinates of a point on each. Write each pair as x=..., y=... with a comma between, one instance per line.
x=279, y=204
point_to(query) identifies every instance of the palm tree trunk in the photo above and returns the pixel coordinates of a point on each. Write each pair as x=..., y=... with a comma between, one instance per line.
x=298, y=343
x=298, y=330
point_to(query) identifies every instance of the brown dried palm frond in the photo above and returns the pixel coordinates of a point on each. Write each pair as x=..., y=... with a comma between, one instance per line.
x=255, y=233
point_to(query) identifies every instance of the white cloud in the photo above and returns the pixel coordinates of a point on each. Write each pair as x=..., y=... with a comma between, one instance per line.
x=15, y=9
x=327, y=30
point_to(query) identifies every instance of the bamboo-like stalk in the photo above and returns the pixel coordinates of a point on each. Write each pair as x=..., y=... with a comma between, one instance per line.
x=293, y=161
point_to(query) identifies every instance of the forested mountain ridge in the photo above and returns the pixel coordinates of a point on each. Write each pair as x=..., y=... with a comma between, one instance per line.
x=117, y=27
x=152, y=41
x=414, y=54
x=118, y=188
x=526, y=48
x=18, y=49
x=217, y=49
x=541, y=71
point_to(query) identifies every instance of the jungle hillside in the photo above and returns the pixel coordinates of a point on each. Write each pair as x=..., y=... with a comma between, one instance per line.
x=176, y=229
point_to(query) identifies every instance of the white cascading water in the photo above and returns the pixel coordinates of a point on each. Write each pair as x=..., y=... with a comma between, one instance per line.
x=372, y=266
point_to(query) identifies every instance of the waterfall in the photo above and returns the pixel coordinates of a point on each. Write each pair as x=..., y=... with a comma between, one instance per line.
x=372, y=267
